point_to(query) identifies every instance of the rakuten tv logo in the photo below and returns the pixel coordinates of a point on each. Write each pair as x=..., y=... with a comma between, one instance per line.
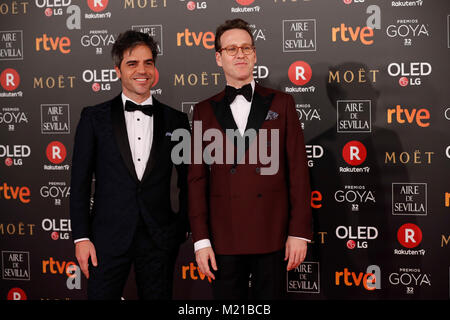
x=16, y=294
x=245, y=2
x=56, y=152
x=97, y=5
x=9, y=79
x=354, y=153
x=409, y=235
x=300, y=73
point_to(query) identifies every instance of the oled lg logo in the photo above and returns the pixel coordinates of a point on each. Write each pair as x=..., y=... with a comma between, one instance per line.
x=195, y=5
x=55, y=8
x=410, y=74
x=357, y=238
x=101, y=79
x=300, y=73
x=313, y=152
x=14, y=154
x=59, y=229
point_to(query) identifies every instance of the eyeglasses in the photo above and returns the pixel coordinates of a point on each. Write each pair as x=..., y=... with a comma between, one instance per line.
x=233, y=50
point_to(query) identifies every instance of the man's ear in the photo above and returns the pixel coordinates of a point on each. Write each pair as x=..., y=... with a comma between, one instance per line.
x=117, y=71
x=218, y=59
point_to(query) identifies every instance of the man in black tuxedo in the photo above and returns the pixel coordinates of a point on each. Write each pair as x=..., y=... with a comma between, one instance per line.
x=125, y=143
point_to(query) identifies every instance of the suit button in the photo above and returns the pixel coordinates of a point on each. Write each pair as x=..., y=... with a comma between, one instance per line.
x=258, y=170
x=233, y=170
x=259, y=195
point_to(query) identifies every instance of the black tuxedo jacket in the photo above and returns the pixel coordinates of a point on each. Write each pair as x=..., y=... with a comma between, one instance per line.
x=102, y=150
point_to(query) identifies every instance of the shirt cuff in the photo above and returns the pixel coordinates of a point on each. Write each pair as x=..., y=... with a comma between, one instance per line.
x=200, y=244
x=307, y=240
x=79, y=240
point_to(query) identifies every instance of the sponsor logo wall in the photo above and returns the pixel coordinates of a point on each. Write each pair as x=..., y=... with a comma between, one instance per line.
x=370, y=83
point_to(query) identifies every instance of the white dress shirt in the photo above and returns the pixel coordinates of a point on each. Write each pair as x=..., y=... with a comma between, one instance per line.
x=140, y=137
x=240, y=108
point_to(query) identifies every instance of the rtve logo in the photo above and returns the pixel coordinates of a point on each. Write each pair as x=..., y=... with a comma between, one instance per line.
x=10, y=192
x=192, y=270
x=403, y=115
x=370, y=280
x=9, y=79
x=56, y=267
x=188, y=38
x=61, y=44
x=447, y=199
x=364, y=35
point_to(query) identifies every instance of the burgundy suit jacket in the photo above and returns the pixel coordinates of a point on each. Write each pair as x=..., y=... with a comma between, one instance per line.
x=240, y=210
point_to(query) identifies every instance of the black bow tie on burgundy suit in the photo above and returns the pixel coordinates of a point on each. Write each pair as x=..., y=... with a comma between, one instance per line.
x=145, y=108
x=231, y=93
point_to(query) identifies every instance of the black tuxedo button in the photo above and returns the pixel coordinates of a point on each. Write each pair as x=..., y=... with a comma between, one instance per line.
x=233, y=170
x=259, y=195
x=258, y=170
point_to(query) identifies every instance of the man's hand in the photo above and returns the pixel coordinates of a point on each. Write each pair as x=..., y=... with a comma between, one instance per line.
x=83, y=250
x=295, y=251
x=203, y=256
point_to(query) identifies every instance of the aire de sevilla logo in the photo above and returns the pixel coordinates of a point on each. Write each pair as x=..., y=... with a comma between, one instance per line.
x=97, y=5
x=300, y=73
x=354, y=153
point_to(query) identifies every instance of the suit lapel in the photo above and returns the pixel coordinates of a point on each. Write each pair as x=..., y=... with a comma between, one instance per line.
x=223, y=113
x=121, y=135
x=258, y=111
x=259, y=108
x=158, y=137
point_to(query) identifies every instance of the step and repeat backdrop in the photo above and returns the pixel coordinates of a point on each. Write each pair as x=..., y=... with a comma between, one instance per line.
x=370, y=81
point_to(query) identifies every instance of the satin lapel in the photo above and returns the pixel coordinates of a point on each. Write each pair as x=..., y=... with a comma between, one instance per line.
x=258, y=110
x=223, y=114
x=120, y=133
x=158, y=137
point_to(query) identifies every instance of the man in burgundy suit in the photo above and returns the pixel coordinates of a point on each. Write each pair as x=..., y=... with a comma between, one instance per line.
x=245, y=219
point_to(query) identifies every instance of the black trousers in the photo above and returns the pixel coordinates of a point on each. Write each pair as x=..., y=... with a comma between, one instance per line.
x=153, y=269
x=265, y=272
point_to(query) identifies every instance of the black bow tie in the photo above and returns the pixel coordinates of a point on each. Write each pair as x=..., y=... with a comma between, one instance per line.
x=231, y=93
x=145, y=108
